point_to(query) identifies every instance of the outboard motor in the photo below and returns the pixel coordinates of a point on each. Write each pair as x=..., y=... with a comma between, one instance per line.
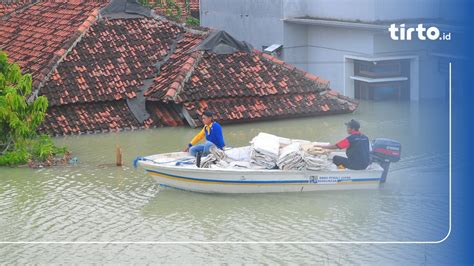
x=384, y=152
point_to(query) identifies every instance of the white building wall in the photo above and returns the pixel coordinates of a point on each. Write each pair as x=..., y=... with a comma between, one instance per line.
x=372, y=10
x=257, y=22
x=295, y=40
x=341, y=9
x=433, y=83
x=327, y=48
x=322, y=49
x=294, y=8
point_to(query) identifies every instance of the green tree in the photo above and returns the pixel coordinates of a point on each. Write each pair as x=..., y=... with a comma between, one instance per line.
x=192, y=21
x=19, y=120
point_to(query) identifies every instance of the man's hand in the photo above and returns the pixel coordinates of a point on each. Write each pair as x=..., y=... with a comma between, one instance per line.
x=186, y=150
x=326, y=146
x=330, y=147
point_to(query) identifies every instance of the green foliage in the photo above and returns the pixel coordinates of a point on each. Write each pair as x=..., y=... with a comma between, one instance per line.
x=19, y=119
x=42, y=147
x=173, y=10
x=192, y=21
x=16, y=157
x=145, y=3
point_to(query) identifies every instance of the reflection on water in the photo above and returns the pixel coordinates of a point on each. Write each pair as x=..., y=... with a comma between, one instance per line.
x=92, y=202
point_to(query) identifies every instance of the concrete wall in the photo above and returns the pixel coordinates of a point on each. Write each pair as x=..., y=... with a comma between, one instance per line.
x=327, y=48
x=383, y=44
x=433, y=83
x=321, y=50
x=295, y=8
x=255, y=21
x=223, y=12
x=372, y=10
x=341, y=9
x=295, y=49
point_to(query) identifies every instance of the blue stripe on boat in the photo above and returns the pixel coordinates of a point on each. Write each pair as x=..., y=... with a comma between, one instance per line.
x=257, y=182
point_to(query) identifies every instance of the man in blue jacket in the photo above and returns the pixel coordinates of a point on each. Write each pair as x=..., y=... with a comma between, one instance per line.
x=213, y=133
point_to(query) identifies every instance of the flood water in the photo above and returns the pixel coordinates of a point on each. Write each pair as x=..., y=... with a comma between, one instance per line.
x=96, y=202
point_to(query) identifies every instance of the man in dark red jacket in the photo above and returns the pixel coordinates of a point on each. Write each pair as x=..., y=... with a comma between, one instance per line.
x=357, y=148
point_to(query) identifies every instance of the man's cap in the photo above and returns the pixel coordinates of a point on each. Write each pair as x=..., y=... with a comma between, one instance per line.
x=353, y=124
x=208, y=113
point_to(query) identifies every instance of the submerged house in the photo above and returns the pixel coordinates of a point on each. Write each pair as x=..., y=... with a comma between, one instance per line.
x=349, y=42
x=109, y=66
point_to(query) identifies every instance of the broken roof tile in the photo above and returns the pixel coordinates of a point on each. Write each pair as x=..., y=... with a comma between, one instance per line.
x=166, y=114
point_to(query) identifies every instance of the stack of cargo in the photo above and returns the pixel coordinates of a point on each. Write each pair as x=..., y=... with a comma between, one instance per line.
x=291, y=158
x=271, y=152
x=215, y=156
x=316, y=158
x=265, y=150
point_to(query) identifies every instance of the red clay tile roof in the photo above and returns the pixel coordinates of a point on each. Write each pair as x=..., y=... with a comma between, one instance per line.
x=111, y=61
x=96, y=72
x=166, y=114
x=9, y=7
x=241, y=74
x=228, y=84
x=39, y=36
x=107, y=116
x=88, y=118
x=238, y=109
x=179, y=64
x=235, y=75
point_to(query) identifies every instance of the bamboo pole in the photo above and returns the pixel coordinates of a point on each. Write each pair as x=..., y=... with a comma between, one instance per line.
x=118, y=155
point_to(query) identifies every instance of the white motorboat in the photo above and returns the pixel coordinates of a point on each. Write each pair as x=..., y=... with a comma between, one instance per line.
x=177, y=170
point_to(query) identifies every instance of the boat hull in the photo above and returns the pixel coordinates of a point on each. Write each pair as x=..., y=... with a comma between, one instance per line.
x=220, y=180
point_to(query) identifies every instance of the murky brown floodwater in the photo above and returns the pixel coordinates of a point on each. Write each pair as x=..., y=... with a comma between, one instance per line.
x=93, y=202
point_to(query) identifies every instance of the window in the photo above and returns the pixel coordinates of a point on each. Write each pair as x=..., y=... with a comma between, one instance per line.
x=378, y=69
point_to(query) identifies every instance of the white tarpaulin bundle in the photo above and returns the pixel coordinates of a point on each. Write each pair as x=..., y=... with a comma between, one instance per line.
x=291, y=158
x=316, y=162
x=216, y=155
x=288, y=154
x=265, y=150
x=239, y=154
x=268, y=151
x=313, y=149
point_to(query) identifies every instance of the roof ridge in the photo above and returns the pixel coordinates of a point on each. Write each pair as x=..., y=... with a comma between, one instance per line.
x=67, y=47
x=183, y=76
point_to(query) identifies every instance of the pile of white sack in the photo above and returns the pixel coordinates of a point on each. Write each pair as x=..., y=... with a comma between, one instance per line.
x=264, y=151
x=316, y=158
x=270, y=152
x=291, y=158
x=216, y=156
x=300, y=156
